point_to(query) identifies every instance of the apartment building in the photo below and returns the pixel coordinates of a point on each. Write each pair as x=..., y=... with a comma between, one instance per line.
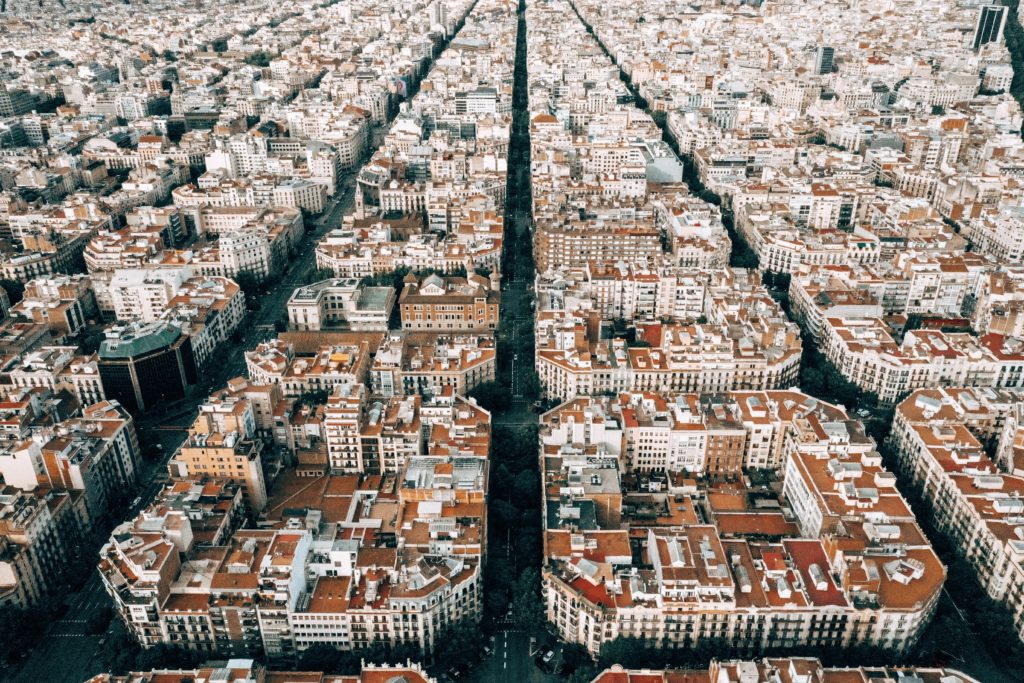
x=343, y=416
x=348, y=559
x=941, y=439
x=626, y=291
x=97, y=453
x=570, y=239
x=275, y=362
x=55, y=368
x=769, y=669
x=697, y=238
x=256, y=241
x=998, y=234
x=716, y=435
x=42, y=257
x=784, y=245
x=211, y=309
x=37, y=526
x=65, y=303
x=125, y=248
x=427, y=364
x=918, y=284
x=997, y=302
x=380, y=434
x=836, y=560
x=260, y=190
x=240, y=670
x=471, y=238
x=573, y=359
x=143, y=294
x=846, y=320
x=141, y=562
x=222, y=442
x=631, y=292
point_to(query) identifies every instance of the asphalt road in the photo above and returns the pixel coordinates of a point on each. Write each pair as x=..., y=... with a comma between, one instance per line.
x=67, y=654
x=272, y=304
x=518, y=272
x=514, y=299
x=509, y=661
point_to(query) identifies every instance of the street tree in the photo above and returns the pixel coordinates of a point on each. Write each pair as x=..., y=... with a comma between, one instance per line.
x=527, y=605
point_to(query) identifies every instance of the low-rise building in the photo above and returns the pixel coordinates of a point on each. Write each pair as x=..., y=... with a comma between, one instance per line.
x=441, y=304
x=340, y=303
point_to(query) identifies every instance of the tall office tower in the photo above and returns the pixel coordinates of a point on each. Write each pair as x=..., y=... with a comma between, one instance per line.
x=438, y=13
x=15, y=102
x=991, y=22
x=826, y=57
